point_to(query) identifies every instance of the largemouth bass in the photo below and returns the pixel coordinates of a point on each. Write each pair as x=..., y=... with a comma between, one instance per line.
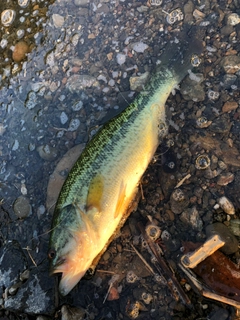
x=103, y=182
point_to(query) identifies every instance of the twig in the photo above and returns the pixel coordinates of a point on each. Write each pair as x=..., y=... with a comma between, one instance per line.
x=173, y=284
x=143, y=260
x=105, y=271
x=182, y=181
x=109, y=288
x=219, y=298
x=30, y=256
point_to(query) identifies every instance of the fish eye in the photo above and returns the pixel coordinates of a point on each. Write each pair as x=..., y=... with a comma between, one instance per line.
x=51, y=254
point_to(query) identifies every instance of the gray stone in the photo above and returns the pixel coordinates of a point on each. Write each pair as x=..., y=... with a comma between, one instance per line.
x=72, y=313
x=13, y=262
x=36, y=296
x=192, y=90
x=231, y=64
x=231, y=242
x=22, y=207
x=81, y=3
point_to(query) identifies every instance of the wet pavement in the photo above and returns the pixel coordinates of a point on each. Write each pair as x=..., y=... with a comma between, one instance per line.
x=66, y=67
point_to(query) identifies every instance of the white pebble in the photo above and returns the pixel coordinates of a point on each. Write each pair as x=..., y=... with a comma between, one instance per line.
x=50, y=59
x=63, y=118
x=233, y=19
x=226, y=205
x=75, y=39
x=121, y=58
x=20, y=33
x=23, y=3
x=74, y=124
x=111, y=82
x=105, y=90
x=77, y=106
x=58, y=20
x=7, y=17
x=3, y=43
x=115, y=74
x=140, y=47
x=102, y=77
x=15, y=145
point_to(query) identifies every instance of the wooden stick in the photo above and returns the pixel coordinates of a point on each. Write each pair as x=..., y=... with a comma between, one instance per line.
x=182, y=181
x=192, y=259
x=219, y=298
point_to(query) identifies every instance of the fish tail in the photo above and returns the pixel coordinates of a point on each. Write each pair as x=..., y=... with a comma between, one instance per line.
x=178, y=54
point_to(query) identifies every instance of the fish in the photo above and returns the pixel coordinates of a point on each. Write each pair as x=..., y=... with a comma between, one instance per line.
x=94, y=200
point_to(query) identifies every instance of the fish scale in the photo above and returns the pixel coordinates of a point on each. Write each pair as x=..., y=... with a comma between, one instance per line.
x=103, y=183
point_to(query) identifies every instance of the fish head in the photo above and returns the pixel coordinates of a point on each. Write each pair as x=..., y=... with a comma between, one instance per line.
x=71, y=251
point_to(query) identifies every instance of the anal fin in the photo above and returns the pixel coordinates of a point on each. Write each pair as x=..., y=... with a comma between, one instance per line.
x=121, y=199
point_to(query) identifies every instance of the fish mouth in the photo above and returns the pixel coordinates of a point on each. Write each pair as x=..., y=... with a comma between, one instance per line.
x=70, y=276
x=69, y=281
x=58, y=267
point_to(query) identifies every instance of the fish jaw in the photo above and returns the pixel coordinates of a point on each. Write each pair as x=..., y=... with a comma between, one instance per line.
x=75, y=259
x=70, y=277
x=68, y=282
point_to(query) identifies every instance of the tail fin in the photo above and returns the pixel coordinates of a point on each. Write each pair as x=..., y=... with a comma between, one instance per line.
x=177, y=55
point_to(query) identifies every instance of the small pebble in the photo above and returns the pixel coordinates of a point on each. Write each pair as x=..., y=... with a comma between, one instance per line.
x=226, y=205
x=119, y=247
x=23, y=3
x=225, y=179
x=231, y=64
x=121, y=58
x=20, y=51
x=78, y=82
x=63, y=118
x=25, y=275
x=140, y=47
x=7, y=17
x=233, y=19
x=106, y=256
x=47, y=152
x=22, y=207
x=14, y=288
x=234, y=226
x=58, y=20
x=74, y=124
x=113, y=294
x=72, y=313
x=229, y=106
x=81, y=3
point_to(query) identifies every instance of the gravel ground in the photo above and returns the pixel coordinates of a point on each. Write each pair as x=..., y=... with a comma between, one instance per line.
x=66, y=67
